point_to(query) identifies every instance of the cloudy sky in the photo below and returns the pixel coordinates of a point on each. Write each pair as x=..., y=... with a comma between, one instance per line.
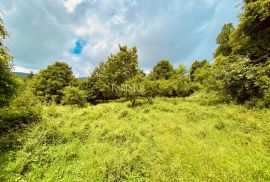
x=84, y=32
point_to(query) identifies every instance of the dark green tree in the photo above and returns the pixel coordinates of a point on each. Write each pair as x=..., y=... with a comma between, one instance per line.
x=74, y=96
x=180, y=71
x=162, y=71
x=120, y=67
x=49, y=83
x=7, y=80
x=224, y=48
x=196, y=65
x=252, y=35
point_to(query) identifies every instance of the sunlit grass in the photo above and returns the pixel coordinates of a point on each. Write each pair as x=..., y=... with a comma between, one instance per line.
x=169, y=140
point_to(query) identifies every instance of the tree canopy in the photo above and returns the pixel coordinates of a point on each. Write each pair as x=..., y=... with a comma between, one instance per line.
x=223, y=39
x=7, y=81
x=163, y=70
x=49, y=83
x=115, y=71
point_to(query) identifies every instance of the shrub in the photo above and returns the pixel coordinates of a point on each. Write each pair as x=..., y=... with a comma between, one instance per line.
x=150, y=88
x=12, y=118
x=26, y=100
x=74, y=96
x=175, y=87
x=132, y=89
x=237, y=79
x=24, y=109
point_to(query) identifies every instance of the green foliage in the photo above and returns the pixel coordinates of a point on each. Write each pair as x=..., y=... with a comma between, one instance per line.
x=223, y=39
x=180, y=71
x=236, y=78
x=119, y=68
x=25, y=100
x=11, y=118
x=151, y=88
x=240, y=72
x=132, y=89
x=198, y=66
x=251, y=35
x=177, y=87
x=24, y=109
x=173, y=139
x=123, y=65
x=7, y=79
x=30, y=75
x=49, y=83
x=74, y=96
x=202, y=74
x=163, y=70
x=95, y=89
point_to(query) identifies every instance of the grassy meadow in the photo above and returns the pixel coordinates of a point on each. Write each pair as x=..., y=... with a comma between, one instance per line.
x=171, y=139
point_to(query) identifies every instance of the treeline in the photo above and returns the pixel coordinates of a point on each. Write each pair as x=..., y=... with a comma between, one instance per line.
x=116, y=78
x=240, y=71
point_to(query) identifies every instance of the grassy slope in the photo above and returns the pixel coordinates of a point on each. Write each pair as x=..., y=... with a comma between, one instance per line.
x=170, y=140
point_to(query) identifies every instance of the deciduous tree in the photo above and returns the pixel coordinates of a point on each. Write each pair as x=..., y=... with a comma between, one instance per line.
x=7, y=80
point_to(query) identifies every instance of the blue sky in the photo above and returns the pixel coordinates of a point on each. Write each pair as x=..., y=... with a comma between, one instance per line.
x=84, y=32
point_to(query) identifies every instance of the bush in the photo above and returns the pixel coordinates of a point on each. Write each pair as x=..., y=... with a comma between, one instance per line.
x=26, y=100
x=237, y=79
x=132, y=89
x=150, y=88
x=24, y=109
x=175, y=87
x=12, y=118
x=74, y=96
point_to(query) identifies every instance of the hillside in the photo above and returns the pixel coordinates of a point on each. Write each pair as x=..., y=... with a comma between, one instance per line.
x=169, y=140
x=20, y=74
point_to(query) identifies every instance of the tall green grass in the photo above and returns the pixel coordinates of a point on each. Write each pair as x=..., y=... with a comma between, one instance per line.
x=169, y=140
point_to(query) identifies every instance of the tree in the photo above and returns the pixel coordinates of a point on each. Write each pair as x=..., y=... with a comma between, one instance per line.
x=30, y=75
x=241, y=67
x=119, y=68
x=7, y=80
x=132, y=89
x=163, y=70
x=223, y=39
x=252, y=35
x=180, y=71
x=196, y=65
x=122, y=65
x=49, y=83
x=235, y=78
x=74, y=96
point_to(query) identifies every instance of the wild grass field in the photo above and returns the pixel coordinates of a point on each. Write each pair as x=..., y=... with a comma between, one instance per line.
x=171, y=139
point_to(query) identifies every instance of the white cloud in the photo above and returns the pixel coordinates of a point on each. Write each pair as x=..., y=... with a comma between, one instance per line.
x=72, y=4
x=42, y=31
x=119, y=19
x=23, y=70
x=80, y=31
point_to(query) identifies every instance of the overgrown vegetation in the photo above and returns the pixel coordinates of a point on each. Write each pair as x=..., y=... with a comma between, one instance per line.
x=172, y=139
x=7, y=80
x=216, y=129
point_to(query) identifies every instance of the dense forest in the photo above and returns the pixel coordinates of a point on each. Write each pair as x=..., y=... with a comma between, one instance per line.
x=238, y=76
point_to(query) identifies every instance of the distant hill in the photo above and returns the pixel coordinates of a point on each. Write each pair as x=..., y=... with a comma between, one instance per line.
x=21, y=74
x=83, y=78
x=25, y=74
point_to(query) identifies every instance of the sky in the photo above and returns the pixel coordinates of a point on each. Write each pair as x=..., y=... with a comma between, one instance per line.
x=85, y=32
